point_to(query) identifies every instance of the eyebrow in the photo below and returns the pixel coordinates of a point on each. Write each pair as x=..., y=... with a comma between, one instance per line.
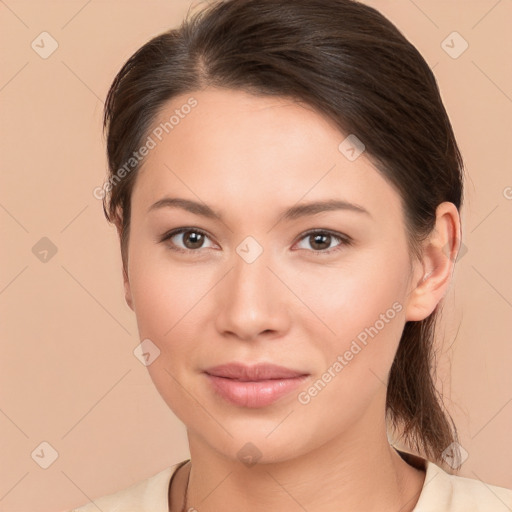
x=291, y=213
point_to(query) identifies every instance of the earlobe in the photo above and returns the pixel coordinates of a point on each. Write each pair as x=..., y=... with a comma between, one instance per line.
x=127, y=290
x=118, y=222
x=436, y=268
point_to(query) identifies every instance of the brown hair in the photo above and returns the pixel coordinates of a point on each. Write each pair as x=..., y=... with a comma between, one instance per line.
x=349, y=63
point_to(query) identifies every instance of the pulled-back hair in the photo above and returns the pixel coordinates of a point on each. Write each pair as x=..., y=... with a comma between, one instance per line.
x=349, y=63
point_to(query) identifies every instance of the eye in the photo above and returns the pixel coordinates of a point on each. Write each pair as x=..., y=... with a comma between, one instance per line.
x=320, y=241
x=189, y=238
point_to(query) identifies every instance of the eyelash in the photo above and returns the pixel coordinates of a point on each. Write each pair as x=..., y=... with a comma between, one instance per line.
x=345, y=240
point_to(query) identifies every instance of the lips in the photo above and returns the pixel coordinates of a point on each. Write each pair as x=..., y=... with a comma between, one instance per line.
x=253, y=386
x=257, y=372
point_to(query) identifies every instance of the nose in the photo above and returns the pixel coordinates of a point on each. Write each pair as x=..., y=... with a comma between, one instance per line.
x=252, y=301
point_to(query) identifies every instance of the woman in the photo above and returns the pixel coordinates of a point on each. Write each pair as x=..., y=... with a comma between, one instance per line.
x=287, y=187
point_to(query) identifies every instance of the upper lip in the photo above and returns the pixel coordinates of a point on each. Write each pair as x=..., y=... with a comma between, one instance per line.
x=260, y=371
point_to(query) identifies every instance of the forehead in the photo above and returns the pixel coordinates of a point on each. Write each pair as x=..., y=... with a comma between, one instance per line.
x=253, y=152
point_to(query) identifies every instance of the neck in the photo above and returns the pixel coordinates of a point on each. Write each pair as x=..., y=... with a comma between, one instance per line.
x=356, y=471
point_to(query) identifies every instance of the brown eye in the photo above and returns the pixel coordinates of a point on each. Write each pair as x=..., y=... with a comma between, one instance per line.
x=193, y=239
x=321, y=241
x=186, y=239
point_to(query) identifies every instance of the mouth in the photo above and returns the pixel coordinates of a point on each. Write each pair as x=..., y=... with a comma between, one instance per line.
x=254, y=386
x=257, y=372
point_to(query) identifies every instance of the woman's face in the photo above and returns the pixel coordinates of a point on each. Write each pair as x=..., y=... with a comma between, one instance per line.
x=254, y=285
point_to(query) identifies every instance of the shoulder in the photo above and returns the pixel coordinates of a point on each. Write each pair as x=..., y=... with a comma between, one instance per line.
x=150, y=494
x=453, y=493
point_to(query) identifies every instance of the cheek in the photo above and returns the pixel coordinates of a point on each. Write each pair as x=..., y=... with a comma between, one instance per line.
x=168, y=309
x=352, y=296
x=165, y=294
x=172, y=304
x=359, y=318
x=367, y=322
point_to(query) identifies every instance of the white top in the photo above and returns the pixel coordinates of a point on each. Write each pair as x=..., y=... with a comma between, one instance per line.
x=441, y=492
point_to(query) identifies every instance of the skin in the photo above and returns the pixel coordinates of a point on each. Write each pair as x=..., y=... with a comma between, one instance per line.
x=249, y=158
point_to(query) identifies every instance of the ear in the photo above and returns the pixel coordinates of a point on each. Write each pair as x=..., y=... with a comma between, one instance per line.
x=127, y=290
x=126, y=281
x=433, y=273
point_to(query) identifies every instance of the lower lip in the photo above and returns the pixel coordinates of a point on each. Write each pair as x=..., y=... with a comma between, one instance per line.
x=254, y=394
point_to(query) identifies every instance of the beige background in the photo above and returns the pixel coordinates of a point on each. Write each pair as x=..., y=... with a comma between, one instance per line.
x=68, y=375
